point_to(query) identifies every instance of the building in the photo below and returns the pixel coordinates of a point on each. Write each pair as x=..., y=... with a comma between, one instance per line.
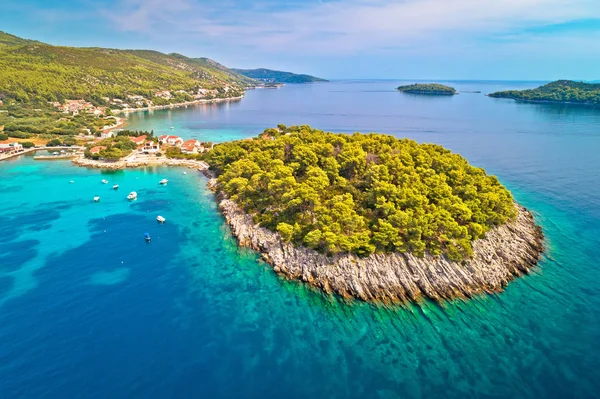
x=150, y=147
x=171, y=140
x=97, y=149
x=138, y=140
x=164, y=94
x=11, y=148
x=107, y=133
x=189, y=147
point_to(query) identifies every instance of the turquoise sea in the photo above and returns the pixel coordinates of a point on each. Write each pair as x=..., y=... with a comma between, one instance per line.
x=90, y=310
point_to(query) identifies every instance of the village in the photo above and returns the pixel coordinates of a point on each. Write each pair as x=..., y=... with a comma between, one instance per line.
x=136, y=102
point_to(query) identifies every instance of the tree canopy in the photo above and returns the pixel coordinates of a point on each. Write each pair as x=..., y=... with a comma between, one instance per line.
x=429, y=88
x=559, y=91
x=361, y=193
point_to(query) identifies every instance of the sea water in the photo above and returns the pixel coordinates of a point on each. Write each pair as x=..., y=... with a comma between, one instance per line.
x=88, y=309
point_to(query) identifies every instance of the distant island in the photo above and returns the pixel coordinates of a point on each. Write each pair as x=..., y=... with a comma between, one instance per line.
x=429, y=88
x=372, y=217
x=561, y=91
x=271, y=76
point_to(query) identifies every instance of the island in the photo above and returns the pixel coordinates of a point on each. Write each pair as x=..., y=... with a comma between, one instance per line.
x=429, y=89
x=372, y=217
x=561, y=91
x=271, y=76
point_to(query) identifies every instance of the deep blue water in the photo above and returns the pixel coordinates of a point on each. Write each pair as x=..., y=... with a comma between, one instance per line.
x=89, y=310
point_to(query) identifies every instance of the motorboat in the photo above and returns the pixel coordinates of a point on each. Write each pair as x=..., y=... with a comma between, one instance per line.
x=116, y=187
x=160, y=219
x=163, y=182
x=185, y=173
x=132, y=196
x=147, y=237
x=104, y=181
x=96, y=199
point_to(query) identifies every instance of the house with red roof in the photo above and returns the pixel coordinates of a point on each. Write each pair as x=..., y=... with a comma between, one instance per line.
x=140, y=140
x=171, y=140
x=97, y=149
x=190, y=147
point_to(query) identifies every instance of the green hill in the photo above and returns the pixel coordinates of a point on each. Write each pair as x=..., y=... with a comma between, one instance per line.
x=430, y=88
x=561, y=91
x=33, y=71
x=361, y=193
x=271, y=76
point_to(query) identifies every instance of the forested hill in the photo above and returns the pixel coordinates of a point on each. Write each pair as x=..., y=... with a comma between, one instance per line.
x=36, y=72
x=561, y=91
x=271, y=76
x=361, y=193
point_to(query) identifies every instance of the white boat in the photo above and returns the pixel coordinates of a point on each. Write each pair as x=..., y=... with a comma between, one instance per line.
x=115, y=187
x=132, y=196
x=163, y=181
x=71, y=182
x=104, y=181
x=185, y=173
x=96, y=199
x=160, y=219
x=172, y=127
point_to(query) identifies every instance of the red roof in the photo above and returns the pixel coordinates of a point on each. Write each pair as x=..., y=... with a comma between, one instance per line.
x=138, y=140
x=164, y=136
x=189, y=145
x=96, y=149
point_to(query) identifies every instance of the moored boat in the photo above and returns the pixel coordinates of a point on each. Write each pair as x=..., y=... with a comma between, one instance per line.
x=163, y=182
x=104, y=181
x=116, y=187
x=132, y=196
x=96, y=199
x=160, y=219
x=147, y=237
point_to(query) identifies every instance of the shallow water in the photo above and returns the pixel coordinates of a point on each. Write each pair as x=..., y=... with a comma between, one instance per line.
x=89, y=310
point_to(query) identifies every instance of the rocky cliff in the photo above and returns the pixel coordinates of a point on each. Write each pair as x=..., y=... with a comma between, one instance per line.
x=507, y=251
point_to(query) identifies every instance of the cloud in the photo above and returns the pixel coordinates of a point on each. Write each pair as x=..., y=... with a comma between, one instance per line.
x=346, y=27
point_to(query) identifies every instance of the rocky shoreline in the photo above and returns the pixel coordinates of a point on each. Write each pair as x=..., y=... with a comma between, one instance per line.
x=125, y=164
x=177, y=105
x=507, y=252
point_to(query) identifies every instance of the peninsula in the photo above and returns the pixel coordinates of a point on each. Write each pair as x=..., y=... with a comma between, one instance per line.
x=561, y=91
x=429, y=88
x=271, y=76
x=371, y=216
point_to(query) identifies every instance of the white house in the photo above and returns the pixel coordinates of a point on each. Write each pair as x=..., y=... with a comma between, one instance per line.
x=150, y=147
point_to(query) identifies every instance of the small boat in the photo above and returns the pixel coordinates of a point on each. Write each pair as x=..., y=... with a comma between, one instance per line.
x=132, y=196
x=71, y=182
x=160, y=219
x=116, y=187
x=163, y=182
x=96, y=199
x=104, y=181
x=172, y=127
x=185, y=173
x=147, y=237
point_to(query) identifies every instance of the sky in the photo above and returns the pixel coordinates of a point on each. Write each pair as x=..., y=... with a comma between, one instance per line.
x=538, y=40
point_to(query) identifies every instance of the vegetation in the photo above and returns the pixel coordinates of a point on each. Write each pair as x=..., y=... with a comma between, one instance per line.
x=430, y=88
x=361, y=193
x=27, y=144
x=115, y=148
x=559, y=91
x=3, y=137
x=270, y=76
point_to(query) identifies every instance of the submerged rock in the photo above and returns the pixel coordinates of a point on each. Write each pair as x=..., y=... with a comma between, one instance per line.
x=507, y=251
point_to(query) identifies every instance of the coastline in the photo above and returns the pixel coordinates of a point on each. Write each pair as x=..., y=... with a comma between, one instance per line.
x=130, y=163
x=507, y=252
x=177, y=105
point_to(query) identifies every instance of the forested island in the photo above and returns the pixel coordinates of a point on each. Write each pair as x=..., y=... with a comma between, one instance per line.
x=429, y=88
x=371, y=216
x=561, y=91
x=271, y=76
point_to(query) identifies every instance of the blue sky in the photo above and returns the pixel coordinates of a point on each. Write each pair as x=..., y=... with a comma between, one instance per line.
x=412, y=39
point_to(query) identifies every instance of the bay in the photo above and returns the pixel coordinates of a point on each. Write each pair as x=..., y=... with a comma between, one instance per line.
x=89, y=310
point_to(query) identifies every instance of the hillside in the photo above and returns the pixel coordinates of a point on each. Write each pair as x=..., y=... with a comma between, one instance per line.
x=561, y=91
x=33, y=71
x=271, y=76
x=430, y=88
